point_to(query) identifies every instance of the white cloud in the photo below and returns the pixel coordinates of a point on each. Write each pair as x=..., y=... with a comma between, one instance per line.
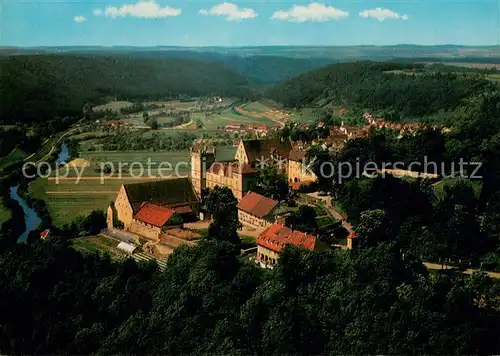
x=230, y=11
x=382, y=14
x=79, y=19
x=146, y=9
x=311, y=12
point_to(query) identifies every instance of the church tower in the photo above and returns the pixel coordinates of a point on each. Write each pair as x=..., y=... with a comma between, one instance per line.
x=202, y=157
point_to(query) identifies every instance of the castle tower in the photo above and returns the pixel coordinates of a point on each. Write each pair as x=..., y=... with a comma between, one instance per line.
x=202, y=156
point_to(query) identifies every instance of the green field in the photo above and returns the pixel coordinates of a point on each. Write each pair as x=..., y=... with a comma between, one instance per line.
x=228, y=116
x=304, y=116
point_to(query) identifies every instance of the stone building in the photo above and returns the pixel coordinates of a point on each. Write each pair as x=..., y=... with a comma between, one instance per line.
x=258, y=211
x=142, y=206
x=276, y=236
x=256, y=151
x=239, y=174
x=151, y=219
x=296, y=171
x=239, y=177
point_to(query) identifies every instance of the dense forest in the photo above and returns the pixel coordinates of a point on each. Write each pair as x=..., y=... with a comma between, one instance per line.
x=36, y=88
x=374, y=86
x=210, y=301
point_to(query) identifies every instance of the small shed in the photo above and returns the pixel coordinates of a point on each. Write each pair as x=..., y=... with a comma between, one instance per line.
x=124, y=246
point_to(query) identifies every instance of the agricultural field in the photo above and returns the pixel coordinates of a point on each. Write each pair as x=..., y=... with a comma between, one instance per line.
x=100, y=244
x=138, y=120
x=231, y=116
x=114, y=105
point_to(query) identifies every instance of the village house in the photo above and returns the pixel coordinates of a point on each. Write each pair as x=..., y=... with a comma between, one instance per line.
x=261, y=129
x=114, y=123
x=258, y=211
x=45, y=234
x=234, y=127
x=142, y=207
x=276, y=236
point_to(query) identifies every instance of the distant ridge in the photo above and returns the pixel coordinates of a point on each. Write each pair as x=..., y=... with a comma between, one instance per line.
x=332, y=53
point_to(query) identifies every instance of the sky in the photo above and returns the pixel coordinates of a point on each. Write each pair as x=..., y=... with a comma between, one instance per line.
x=247, y=23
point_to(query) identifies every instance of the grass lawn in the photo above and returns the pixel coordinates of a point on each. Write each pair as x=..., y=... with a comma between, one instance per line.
x=100, y=244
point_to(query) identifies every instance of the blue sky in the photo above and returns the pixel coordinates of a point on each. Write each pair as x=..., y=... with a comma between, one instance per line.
x=212, y=23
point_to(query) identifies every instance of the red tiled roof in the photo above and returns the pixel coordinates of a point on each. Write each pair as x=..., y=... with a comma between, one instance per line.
x=154, y=214
x=276, y=236
x=230, y=168
x=297, y=156
x=257, y=205
x=44, y=234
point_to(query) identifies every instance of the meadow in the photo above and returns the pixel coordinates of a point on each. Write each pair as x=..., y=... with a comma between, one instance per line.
x=252, y=116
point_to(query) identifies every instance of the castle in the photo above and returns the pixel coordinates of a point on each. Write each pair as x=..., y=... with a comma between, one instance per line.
x=241, y=174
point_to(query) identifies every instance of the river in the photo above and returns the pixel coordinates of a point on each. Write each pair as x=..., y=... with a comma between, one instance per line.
x=31, y=218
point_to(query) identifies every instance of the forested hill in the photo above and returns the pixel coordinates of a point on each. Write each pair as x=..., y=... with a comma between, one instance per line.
x=37, y=87
x=380, y=86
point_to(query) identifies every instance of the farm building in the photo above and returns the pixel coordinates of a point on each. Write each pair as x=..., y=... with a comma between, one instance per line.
x=258, y=211
x=141, y=207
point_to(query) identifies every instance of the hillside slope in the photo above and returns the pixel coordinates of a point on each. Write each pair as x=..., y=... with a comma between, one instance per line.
x=33, y=88
x=380, y=86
